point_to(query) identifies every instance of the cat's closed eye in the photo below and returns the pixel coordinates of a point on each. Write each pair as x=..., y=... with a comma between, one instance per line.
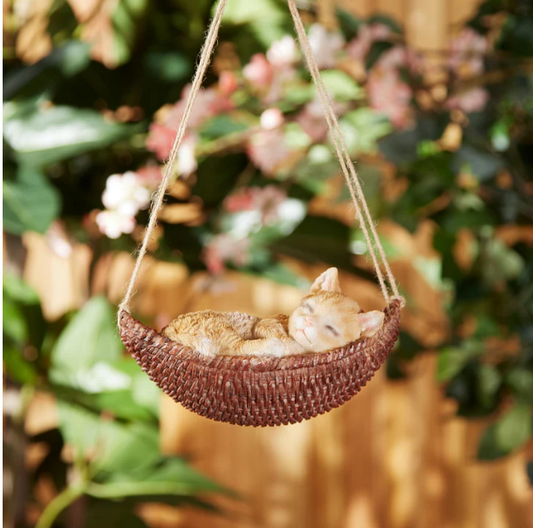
x=307, y=308
x=329, y=328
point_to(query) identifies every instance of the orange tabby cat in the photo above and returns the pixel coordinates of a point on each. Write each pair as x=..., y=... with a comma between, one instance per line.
x=324, y=320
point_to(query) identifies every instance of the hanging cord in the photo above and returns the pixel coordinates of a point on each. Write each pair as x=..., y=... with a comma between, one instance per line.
x=205, y=59
x=347, y=166
x=338, y=140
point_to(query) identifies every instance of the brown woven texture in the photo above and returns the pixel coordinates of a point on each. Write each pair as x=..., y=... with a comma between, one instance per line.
x=259, y=391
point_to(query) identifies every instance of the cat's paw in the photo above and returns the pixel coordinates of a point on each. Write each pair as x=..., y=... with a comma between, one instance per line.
x=293, y=348
x=276, y=348
x=283, y=347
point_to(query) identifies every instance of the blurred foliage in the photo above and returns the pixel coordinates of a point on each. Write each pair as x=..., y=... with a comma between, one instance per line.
x=257, y=157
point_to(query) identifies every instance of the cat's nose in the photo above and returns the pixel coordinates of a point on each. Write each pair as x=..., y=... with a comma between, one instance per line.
x=308, y=322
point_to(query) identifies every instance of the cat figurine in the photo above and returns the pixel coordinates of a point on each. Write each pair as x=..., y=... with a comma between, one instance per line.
x=324, y=320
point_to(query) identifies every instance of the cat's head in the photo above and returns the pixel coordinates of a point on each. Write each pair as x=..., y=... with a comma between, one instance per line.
x=328, y=319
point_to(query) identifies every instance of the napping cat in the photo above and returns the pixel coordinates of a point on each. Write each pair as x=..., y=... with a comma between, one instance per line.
x=324, y=320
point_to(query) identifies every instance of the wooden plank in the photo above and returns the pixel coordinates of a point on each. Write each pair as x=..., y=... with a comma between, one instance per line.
x=425, y=24
x=392, y=8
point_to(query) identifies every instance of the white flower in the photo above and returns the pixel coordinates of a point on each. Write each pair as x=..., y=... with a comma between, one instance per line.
x=283, y=52
x=125, y=194
x=186, y=163
x=113, y=223
x=325, y=45
x=271, y=118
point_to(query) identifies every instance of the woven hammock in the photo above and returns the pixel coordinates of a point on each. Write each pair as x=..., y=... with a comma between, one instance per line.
x=259, y=390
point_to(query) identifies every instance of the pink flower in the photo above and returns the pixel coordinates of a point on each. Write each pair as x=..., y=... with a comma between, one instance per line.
x=222, y=249
x=150, y=176
x=389, y=95
x=395, y=57
x=267, y=200
x=473, y=100
x=312, y=120
x=325, y=45
x=113, y=223
x=270, y=78
x=359, y=46
x=242, y=200
x=209, y=103
x=466, y=53
x=282, y=53
x=259, y=71
x=125, y=194
x=160, y=140
x=272, y=118
x=400, y=57
x=227, y=82
x=267, y=150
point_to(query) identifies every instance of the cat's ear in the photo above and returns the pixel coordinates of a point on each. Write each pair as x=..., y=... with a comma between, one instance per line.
x=328, y=281
x=370, y=322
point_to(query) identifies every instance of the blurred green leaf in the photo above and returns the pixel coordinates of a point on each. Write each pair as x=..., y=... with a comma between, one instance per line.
x=122, y=405
x=17, y=367
x=349, y=24
x=24, y=324
x=318, y=166
x=227, y=168
x=45, y=76
x=114, y=447
x=30, y=202
x=408, y=346
x=340, y=86
x=520, y=381
x=499, y=262
x=268, y=20
x=222, y=125
x=61, y=21
x=507, y=434
x=482, y=164
x=362, y=128
x=489, y=382
x=171, y=475
x=401, y=147
x=126, y=19
x=83, y=352
x=475, y=388
x=376, y=50
x=516, y=34
x=450, y=361
x=169, y=66
x=46, y=136
x=18, y=290
x=486, y=326
x=320, y=239
x=431, y=270
x=13, y=321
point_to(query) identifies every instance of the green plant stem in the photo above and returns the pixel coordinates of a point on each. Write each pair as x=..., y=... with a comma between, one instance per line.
x=56, y=506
